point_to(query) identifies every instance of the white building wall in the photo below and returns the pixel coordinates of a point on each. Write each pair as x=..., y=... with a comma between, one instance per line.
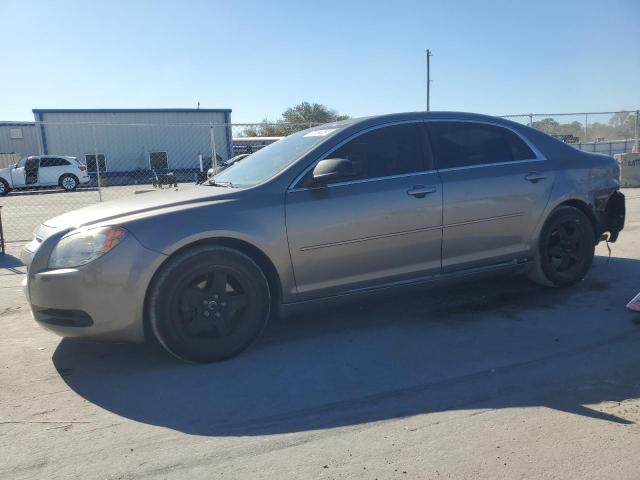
x=127, y=137
x=25, y=146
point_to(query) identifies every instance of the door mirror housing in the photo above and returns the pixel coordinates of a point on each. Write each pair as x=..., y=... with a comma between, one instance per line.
x=331, y=169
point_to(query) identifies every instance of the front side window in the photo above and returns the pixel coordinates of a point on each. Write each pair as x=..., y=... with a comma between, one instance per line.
x=384, y=152
x=464, y=144
x=379, y=153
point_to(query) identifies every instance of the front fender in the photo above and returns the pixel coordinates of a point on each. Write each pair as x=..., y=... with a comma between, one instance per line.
x=258, y=221
x=6, y=176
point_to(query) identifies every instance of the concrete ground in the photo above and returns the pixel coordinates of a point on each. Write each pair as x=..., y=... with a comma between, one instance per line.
x=486, y=380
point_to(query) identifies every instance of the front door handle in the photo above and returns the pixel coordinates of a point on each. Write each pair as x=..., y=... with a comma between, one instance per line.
x=534, y=177
x=420, y=191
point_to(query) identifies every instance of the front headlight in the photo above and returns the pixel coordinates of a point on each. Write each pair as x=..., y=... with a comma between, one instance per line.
x=79, y=248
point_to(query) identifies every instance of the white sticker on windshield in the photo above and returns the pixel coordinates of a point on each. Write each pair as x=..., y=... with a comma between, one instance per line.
x=320, y=133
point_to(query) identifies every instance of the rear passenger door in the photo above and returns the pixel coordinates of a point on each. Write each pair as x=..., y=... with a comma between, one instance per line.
x=51, y=168
x=495, y=187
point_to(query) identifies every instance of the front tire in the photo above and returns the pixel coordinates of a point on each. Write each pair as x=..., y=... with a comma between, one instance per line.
x=565, y=249
x=208, y=304
x=4, y=187
x=69, y=182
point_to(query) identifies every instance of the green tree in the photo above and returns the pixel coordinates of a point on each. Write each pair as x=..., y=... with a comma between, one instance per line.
x=299, y=117
x=547, y=125
x=620, y=126
x=618, y=119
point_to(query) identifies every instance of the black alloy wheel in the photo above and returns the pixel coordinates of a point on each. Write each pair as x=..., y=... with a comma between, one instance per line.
x=208, y=303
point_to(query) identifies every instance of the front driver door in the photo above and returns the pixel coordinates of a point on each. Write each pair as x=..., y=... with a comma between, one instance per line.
x=18, y=174
x=381, y=227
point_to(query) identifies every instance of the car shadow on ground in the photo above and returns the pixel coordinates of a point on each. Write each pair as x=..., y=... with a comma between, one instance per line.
x=488, y=344
x=47, y=191
x=9, y=262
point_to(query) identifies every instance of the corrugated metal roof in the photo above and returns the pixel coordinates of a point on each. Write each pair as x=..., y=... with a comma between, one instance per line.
x=131, y=110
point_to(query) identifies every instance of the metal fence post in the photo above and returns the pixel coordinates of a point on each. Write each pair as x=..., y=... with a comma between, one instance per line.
x=1, y=232
x=586, y=124
x=95, y=151
x=214, y=154
x=531, y=120
x=637, y=126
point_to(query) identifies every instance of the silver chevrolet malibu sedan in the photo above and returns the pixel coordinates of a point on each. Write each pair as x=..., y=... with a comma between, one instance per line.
x=335, y=211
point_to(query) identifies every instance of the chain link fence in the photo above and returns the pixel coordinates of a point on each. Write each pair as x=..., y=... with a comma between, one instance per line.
x=118, y=160
x=601, y=132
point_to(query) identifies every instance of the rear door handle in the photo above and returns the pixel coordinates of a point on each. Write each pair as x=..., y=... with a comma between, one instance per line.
x=420, y=191
x=534, y=177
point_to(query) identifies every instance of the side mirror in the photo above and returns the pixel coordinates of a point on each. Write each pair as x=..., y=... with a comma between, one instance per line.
x=331, y=169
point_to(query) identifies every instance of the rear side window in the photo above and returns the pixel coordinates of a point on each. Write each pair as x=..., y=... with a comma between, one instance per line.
x=384, y=152
x=53, y=162
x=464, y=144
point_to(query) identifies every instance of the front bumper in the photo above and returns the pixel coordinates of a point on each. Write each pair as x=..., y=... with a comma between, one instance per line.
x=103, y=300
x=615, y=213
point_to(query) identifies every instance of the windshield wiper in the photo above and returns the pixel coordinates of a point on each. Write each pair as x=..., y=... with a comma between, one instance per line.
x=213, y=183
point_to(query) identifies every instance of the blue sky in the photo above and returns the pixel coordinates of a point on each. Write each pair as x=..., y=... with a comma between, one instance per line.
x=358, y=57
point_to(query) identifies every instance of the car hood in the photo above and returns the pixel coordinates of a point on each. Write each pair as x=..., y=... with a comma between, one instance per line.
x=139, y=204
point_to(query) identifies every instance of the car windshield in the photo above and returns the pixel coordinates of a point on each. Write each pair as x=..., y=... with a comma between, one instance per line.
x=272, y=159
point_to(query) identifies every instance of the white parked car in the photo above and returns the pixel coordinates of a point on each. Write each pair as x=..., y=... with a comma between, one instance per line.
x=42, y=171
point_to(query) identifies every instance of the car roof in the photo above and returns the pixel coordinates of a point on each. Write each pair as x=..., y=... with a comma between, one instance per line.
x=436, y=115
x=66, y=157
x=546, y=144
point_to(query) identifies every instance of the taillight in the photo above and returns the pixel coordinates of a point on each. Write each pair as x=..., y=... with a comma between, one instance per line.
x=82, y=167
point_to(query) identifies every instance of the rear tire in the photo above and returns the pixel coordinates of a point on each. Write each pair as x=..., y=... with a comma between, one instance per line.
x=565, y=250
x=208, y=304
x=69, y=182
x=4, y=187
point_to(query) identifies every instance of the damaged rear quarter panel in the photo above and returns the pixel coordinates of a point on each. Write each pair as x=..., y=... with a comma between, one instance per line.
x=588, y=178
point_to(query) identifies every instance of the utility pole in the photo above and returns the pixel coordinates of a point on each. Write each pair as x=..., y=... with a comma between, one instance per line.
x=429, y=54
x=637, y=128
